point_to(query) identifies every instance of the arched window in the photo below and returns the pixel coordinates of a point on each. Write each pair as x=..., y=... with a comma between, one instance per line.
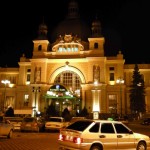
x=40, y=48
x=71, y=80
x=95, y=45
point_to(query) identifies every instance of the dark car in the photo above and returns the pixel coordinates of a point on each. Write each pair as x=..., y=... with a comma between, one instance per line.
x=146, y=121
x=35, y=124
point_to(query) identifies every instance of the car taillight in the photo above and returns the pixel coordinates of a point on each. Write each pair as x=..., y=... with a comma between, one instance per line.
x=77, y=140
x=61, y=137
x=35, y=124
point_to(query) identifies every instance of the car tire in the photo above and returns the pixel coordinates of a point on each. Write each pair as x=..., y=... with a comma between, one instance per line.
x=10, y=134
x=38, y=129
x=141, y=146
x=95, y=147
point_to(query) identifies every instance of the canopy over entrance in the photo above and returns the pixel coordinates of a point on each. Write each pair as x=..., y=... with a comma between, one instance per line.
x=59, y=92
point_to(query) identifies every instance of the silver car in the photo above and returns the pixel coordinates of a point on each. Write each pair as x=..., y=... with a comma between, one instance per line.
x=101, y=135
x=6, y=128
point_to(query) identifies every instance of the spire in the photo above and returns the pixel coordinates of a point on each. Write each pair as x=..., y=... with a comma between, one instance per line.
x=42, y=32
x=96, y=28
x=73, y=9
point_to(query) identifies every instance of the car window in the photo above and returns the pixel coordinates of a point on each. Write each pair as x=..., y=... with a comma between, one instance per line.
x=94, y=128
x=121, y=128
x=55, y=119
x=28, y=119
x=107, y=128
x=79, y=125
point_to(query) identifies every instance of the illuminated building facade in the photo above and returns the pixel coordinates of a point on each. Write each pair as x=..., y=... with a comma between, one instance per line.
x=72, y=72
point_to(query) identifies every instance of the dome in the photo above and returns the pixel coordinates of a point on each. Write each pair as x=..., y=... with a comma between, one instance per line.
x=42, y=32
x=73, y=27
x=72, y=24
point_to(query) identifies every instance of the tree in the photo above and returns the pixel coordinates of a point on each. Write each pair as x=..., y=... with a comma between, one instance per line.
x=84, y=112
x=9, y=112
x=137, y=93
x=51, y=111
x=66, y=114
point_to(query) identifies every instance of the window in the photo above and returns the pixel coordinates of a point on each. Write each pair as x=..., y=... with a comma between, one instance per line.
x=111, y=77
x=121, y=129
x=111, y=68
x=107, y=128
x=26, y=99
x=69, y=79
x=95, y=45
x=111, y=74
x=112, y=104
x=28, y=76
x=79, y=125
x=40, y=48
x=95, y=128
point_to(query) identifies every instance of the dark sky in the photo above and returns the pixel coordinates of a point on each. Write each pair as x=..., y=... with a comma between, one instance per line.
x=124, y=26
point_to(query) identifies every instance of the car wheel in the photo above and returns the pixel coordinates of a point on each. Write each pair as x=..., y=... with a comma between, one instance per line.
x=10, y=134
x=38, y=129
x=96, y=147
x=141, y=146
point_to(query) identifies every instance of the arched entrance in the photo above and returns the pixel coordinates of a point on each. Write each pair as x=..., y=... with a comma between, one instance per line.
x=72, y=79
x=61, y=97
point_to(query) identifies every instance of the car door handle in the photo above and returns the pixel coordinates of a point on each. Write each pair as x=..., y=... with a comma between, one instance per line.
x=102, y=136
x=119, y=136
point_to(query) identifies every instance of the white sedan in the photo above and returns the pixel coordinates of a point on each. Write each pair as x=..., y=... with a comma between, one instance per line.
x=101, y=135
x=6, y=129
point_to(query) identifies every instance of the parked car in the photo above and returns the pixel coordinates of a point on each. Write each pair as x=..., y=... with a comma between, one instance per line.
x=146, y=121
x=55, y=123
x=101, y=135
x=16, y=121
x=6, y=129
x=35, y=124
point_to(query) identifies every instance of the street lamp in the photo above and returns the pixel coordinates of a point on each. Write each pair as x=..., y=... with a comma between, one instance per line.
x=120, y=81
x=5, y=82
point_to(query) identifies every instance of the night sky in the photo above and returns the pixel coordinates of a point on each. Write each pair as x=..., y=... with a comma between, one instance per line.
x=124, y=26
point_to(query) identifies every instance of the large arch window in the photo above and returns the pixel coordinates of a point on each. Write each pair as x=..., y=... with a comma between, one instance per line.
x=70, y=80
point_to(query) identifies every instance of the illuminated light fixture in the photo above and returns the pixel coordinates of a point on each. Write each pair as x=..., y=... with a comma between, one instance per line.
x=112, y=82
x=27, y=82
x=139, y=84
x=120, y=81
x=11, y=85
x=5, y=82
x=67, y=65
x=95, y=83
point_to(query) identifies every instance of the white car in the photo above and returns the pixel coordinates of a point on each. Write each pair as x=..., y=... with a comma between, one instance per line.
x=101, y=135
x=55, y=123
x=6, y=129
x=16, y=121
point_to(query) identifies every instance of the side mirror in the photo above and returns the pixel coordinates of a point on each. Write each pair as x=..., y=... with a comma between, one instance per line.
x=130, y=132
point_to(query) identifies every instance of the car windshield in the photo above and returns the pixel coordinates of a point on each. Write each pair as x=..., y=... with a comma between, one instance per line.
x=76, y=119
x=13, y=119
x=55, y=119
x=28, y=119
x=79, y=125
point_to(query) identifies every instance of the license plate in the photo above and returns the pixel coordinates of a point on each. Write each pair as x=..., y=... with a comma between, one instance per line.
x=28, y=125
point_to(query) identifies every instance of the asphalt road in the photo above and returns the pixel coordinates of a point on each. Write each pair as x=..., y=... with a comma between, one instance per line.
x=30, y=141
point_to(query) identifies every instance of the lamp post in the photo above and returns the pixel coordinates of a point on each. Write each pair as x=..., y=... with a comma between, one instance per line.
x=5, y=82
x=120, y=81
